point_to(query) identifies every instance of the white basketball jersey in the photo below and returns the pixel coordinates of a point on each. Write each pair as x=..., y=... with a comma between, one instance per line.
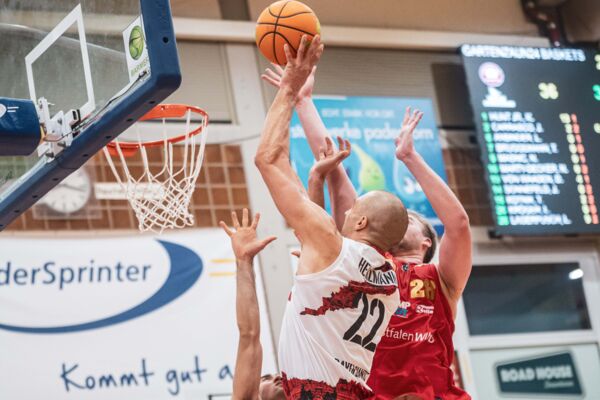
x=333, y=322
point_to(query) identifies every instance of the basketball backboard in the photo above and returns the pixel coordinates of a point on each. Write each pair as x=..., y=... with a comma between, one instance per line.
x=98, y=64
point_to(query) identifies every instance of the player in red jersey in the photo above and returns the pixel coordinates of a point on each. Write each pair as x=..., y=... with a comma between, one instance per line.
x=415, y=355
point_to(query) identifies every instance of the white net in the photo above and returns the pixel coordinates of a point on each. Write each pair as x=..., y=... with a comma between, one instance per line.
x=161, y=196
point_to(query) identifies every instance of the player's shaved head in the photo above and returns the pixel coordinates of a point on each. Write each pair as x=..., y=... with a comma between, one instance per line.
x=377, y=217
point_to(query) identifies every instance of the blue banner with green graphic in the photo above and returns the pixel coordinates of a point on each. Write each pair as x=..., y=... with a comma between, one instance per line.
x=371, y=124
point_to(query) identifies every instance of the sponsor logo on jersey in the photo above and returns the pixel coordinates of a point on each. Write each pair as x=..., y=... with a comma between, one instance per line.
x=355, y=370
x=402, y=310
x=400, y=334
x=422, y=309
x=377, y=276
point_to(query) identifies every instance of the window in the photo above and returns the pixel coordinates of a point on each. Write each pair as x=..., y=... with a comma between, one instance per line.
x=503, y=299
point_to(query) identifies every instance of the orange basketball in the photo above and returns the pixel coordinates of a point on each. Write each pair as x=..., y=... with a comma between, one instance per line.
x=284, y=22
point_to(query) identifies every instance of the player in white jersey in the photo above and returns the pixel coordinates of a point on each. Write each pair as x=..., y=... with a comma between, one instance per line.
x=345, y=290
x=399, y=362
x=247, y=382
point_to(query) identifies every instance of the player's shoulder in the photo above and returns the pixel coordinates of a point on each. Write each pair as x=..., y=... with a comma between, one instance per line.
x=425, y=269
x=355, y=245
x=364, y=251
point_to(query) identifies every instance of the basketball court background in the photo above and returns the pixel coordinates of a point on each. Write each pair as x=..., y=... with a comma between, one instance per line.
x=414, y=44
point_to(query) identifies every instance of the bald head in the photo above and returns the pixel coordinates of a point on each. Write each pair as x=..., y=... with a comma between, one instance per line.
x=377, y=217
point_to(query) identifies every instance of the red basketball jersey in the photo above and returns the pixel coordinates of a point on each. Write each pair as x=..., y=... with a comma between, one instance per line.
x=415, y=354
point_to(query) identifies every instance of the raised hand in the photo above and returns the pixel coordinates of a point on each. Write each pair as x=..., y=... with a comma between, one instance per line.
x=244, y=240
x=273, y=77
x=405, y=146
x=330, y=158
x=299, y=68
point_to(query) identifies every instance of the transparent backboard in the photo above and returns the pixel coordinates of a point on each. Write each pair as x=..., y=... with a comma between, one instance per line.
x=84, y=55
x=64, y=72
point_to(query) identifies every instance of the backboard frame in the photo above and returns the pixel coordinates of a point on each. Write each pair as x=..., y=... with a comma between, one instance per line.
x=74, y=17
x=164, y=79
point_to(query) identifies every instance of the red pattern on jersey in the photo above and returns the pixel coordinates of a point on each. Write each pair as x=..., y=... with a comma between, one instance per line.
x=307, y=389
x=346, y=297
x=415, y=354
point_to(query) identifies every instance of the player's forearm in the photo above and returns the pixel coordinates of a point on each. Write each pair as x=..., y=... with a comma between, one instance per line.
x=246, y=379
x=316, y=182
x=274, y=144
x=313, y=126
x=246, y=302
x=341, y=190
x=342, y=195
x=444, y=202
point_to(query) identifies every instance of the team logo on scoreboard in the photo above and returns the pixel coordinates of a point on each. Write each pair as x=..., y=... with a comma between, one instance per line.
x=491, y=74
x=493, y=77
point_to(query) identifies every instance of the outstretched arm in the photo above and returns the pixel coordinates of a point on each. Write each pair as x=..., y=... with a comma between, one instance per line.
x=246, y=245
x=341, y=190
x=455, y=247
x=328, y=162
x=322, y=241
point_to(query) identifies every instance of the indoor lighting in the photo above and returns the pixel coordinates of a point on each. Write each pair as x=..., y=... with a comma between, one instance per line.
x=576, y=274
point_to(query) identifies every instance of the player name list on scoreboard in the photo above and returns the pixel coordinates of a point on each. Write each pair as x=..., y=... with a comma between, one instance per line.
x=537, y=113
x=519, y=181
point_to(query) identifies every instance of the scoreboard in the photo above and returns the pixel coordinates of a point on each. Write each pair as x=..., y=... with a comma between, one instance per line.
x=537, y=114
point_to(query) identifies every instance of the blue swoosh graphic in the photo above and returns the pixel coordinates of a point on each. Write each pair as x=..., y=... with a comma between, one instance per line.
x=186, y=268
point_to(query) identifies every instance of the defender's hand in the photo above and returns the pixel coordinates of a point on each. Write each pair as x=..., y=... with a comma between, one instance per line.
x=404, y=142
x=244, y=241
x=330, y=158
x=299, y=68
x=273, y=77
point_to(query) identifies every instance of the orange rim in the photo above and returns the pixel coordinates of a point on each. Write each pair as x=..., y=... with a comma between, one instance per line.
x=159, y=112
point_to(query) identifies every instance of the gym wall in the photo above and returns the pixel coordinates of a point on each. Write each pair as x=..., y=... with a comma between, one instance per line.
x=222, y=186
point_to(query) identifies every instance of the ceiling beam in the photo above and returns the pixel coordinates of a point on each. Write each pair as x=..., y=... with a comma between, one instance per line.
x=243, y=31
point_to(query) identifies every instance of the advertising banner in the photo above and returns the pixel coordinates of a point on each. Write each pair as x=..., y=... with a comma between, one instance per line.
x=553, y=374
x=372, y=124
x=122, y=317
x=537, y=372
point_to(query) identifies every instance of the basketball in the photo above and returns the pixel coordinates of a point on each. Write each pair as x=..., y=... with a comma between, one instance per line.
x=136, y=42
x=284, y=22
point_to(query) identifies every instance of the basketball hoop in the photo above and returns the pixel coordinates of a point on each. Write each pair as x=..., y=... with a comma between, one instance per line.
x=160, y=195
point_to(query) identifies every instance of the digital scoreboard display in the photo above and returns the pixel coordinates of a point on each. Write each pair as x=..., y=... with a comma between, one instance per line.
x=537, y=114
